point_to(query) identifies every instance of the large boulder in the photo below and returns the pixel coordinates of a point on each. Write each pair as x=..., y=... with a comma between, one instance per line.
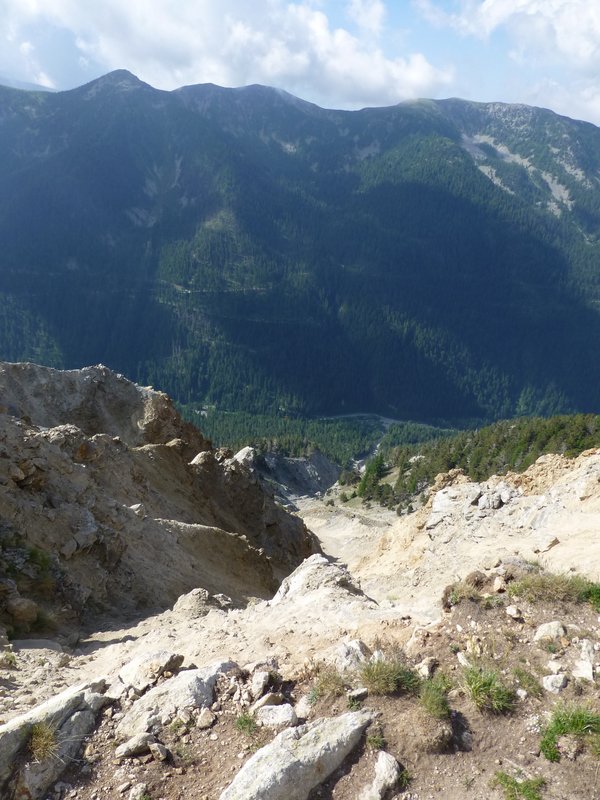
x=298, y=759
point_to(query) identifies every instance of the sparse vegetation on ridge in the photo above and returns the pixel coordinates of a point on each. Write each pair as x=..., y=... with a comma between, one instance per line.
x=569, y=720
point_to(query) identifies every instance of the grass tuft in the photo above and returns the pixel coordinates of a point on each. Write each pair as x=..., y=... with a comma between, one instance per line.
x=487, y=691
x=548, y=587
x=433, y=696
x=43, y=743
x=389, y=677
x=330, y=682
x=529, y=682
x=568, y=720
x=246, y=723
x=519, y=790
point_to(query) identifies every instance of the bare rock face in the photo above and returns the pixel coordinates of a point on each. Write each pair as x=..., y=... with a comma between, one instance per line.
x=110, y=501
x=95, y=400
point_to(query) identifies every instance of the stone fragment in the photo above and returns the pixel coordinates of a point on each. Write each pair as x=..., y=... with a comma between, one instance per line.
x=135, y=746
x=276, y=716
x=260, y=681
x=143, y=671
x=584, y=667
x=358, y=694
x=554, y=683
x=387, y=774
x=206, y=719
x=350, y=655
x=498, y=585
x=138, y=791
x=269, y=699
x=426, y=667
x=189, y=689
x=298, y=759
x=550, y=630
x=514, y=612
x=159, y=751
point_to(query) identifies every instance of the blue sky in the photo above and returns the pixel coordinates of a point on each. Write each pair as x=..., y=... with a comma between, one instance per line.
x=337, y=53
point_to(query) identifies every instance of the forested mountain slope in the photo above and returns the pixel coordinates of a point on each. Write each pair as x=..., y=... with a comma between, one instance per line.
x=436, y=259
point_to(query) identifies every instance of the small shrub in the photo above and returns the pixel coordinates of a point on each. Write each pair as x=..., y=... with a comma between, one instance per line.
x=529, y=682
x=330, y=682
x=43, y=743
x=246, y=723
x=519, y=790
x=433, y=696
x=568, y=720
x=376, y=741
x=463, y=590
x=487, y=691
x=389, y=677
x=403, y=780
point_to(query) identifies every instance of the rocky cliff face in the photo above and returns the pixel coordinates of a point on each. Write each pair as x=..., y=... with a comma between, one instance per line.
x=110, y=501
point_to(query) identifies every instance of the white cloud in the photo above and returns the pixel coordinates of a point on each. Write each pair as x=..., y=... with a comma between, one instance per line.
x=554, y=29
x=555, y=44
x=368, y=14
x=232, y=42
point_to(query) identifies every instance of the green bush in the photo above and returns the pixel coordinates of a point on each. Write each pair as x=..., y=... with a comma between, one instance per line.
x=389, y=677
x=433, y=696
x=487, y=691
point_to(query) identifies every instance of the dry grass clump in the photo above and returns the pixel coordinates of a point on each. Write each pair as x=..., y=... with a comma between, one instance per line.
x=549, y=587
x=43, y=742
x=389, y=676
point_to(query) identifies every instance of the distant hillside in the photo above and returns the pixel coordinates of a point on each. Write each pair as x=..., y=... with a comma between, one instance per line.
x=245, y=249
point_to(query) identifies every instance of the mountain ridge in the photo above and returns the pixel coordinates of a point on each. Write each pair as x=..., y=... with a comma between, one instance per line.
x=241, y=247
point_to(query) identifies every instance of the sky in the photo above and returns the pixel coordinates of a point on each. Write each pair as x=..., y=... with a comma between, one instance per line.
x=336, y=53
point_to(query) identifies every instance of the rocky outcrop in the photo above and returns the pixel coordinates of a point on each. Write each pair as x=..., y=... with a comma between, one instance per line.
x=298, y=759
x=35, y=747
x=109, y=500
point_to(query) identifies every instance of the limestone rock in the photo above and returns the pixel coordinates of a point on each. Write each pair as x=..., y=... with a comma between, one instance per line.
x=206, y=719
x=269, y=699
x=554, y=683
x=72, y=715
x=159, y=751
x=189, y=689
x=276, y=716
x=298, y=759
x=350, y=655
x=584, y=667
x=550, y=630
x=260, y=681
x=135, y=746
x=145, y=669
x=387, y=773
x=138, y=791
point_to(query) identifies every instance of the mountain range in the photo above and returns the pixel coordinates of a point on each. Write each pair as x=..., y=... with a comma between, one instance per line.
x=244, y=248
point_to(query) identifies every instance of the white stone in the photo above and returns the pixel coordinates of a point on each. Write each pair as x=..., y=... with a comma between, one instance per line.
x=550, y=630
x=554, y=683
x=260, y=681
x=189, y=689
x=298, y=759
x=145, y=669
x=514, y=612
x=135, y=746
x=387, y=773
x=276, y=716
